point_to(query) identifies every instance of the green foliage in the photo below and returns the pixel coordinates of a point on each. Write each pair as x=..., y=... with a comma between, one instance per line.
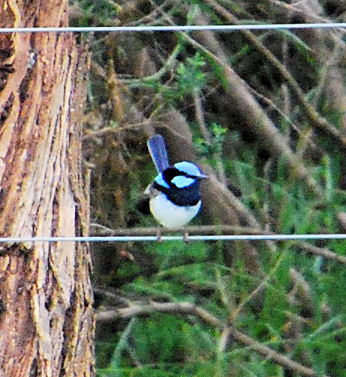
x=189, y=78
x=99, y=12
x=213, y=147
x=166, y=345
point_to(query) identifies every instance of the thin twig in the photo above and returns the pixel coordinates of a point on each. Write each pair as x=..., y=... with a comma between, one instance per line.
x=257, y=290
x=187, y=308
x=270, y=103
x=101, y=230
x=206, y=134
x=321, y=251
x=266, y=126
x=168, y=64
x=310, y=16
x=152, y=16
x=317, y=120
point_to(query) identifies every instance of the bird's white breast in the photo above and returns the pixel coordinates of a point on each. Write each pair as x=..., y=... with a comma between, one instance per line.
x=170, y=215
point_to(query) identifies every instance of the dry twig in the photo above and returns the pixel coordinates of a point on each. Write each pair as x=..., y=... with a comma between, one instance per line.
x=187, y=308
x=272, y=138
x=98, y=229
x=317, y=120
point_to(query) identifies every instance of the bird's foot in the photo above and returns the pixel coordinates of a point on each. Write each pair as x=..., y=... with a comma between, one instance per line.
x=186, y=236
x=158, y=235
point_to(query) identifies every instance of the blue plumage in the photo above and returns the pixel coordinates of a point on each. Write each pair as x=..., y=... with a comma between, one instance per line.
x=158, y=152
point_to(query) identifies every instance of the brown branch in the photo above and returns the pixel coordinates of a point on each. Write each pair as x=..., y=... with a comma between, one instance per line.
x=100, y=230
x=294, y=126
x=270, y=136
x=153, y=16
x=300, y=293
x=317, y=120
x=341, y=217
x=191, y=309
x=273, y=355
x=309, y=16
x=321, y=251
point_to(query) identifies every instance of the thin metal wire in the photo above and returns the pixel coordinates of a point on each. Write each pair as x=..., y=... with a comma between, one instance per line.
x=225, y=237
x=171, y=28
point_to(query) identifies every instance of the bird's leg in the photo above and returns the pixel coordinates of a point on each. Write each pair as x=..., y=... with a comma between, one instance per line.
x=186, y=236
x=158, y=234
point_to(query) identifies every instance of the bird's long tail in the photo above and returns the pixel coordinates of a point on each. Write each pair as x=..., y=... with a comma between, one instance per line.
x=158, y=152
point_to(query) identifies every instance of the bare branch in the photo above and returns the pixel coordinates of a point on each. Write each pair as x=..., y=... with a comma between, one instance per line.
x=321, y=251
x=317, y=120
x=247, y=105
x=187, y=308
x=97, y=229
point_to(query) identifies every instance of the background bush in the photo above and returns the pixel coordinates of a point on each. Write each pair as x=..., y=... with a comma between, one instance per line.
x=263, y=112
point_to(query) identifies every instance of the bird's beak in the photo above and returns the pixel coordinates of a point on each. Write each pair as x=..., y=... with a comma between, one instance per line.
x=203, y=176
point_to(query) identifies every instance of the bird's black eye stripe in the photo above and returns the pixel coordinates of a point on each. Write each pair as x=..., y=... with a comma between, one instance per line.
x=172, y=172
x=169, y=174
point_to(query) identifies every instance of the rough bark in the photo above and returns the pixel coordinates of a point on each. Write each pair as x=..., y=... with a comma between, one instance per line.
x=46, y=317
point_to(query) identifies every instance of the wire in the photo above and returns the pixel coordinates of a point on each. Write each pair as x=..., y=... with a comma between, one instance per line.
x=225, y=237
x=171, y=28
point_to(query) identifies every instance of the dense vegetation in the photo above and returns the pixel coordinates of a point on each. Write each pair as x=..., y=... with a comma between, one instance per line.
x=263, y=112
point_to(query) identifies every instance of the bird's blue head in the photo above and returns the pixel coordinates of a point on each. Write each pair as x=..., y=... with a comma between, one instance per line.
x=190, y=173
x=190, y=168
x=181, y=175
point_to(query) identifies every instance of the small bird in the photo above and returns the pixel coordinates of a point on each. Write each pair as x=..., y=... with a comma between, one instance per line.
x=174, y=195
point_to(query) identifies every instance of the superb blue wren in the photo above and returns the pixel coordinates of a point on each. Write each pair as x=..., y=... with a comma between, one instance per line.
x=174, y=195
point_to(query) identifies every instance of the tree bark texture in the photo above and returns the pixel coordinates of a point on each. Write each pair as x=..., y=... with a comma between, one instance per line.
x=46, y=315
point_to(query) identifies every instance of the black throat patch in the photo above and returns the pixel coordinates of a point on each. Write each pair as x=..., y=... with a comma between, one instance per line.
x=183, y=196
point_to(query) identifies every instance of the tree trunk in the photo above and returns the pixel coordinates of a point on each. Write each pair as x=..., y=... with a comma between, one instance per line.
x=46, y=315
